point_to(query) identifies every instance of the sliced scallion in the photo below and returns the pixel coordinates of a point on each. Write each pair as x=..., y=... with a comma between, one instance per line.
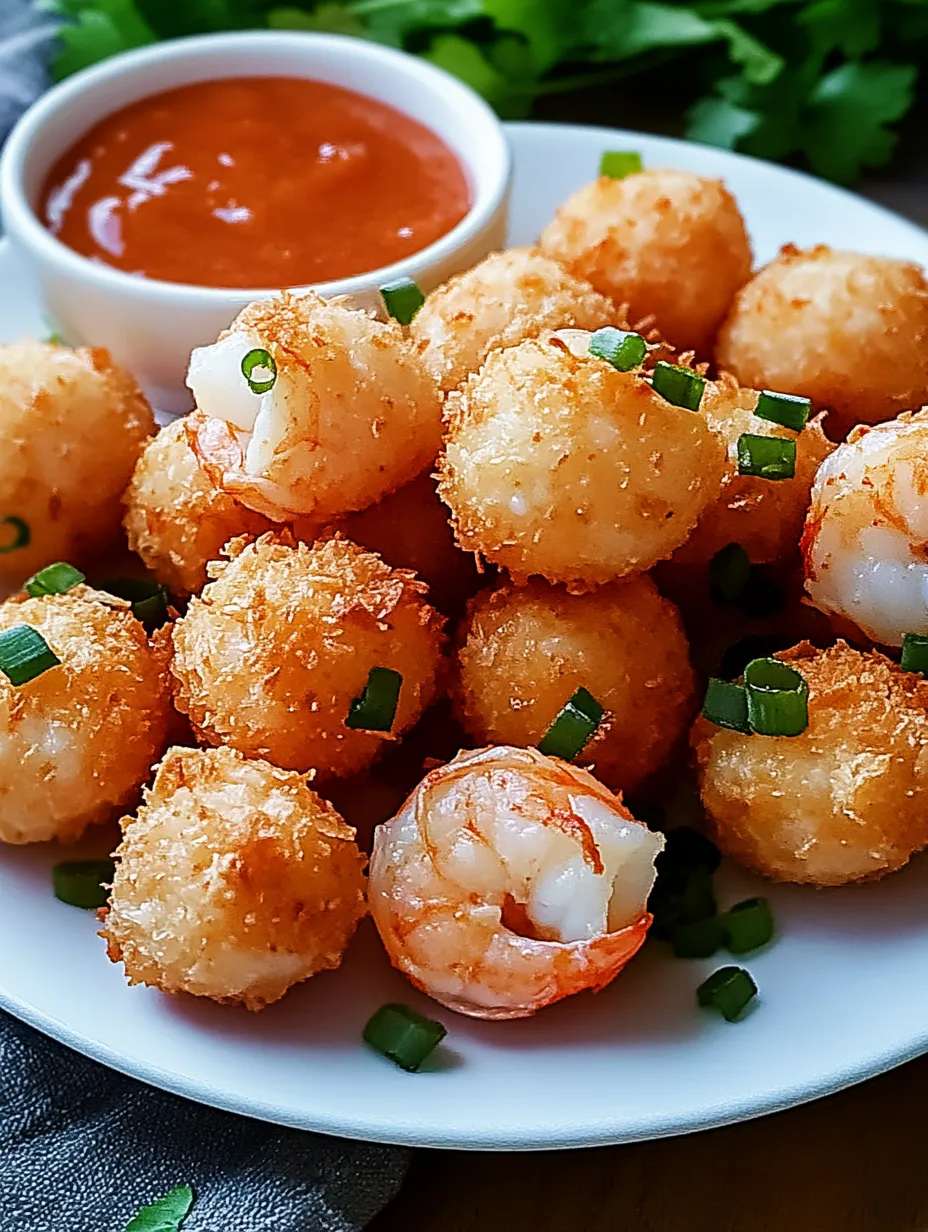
x=777, y=698
x=617, y=164
x=22, y=535
x=754, y=646
x=726, y=705
x=681, y=895
x=729, y=573
x=402, y=299
x=25, y=654
x=788, y=410
x=404, y=1036
x=375, y=709
x=55, y=579
x=259, y=369
x=677, y=385
x=766, y=457
x=914, y=653
x=149, y=599
x=83, y=883
x=698, y=938
x=574, y=726
x=748, y=925
x=728, y=990
x=619, y=347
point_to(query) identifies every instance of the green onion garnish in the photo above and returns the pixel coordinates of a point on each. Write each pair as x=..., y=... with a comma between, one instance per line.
x=83, y=883
x=55, y=579
x=777, y=698
x=766, y=457
x=165, y=1215
x=402, y=299
x=404, y=1036
x=680, y=895
x=726, y=705
x=617, y=164
x=149, y=599
x=619, y=347
x=679, y=386
x=259, y=370
x=699, y=938
x=729, y=573
x=788, y=410
x=748, y=925
x=375, y=709
x=728, y=990
x=571, y=730
x=754, y=646
x=25, y=654
x=914, y=653
x=22, y=534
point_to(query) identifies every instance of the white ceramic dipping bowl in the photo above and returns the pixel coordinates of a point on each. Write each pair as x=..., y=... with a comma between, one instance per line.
x=151, y=326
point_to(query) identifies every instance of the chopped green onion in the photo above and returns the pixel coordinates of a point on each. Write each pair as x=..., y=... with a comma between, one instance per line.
x=754, y=646
x=617, y=164
x=766, y=457
x=619, y=347
x=25, y=654
x=915, y=653
x=402, y=299
x=404, y=1036
x=748, y=925
x=788, y=410
x=375, y=709
x=677, y=385
x=83, y=883
x=260, y=370
x=685, y=847
x=571, y=730
x=680, y=896
x=165, y=1215
x=55, y=579
x=728, y=990
x=726, y=705
x=778, y=698
x=22, y=537
x=699, y=938
x=149, y=599
x=729, y=573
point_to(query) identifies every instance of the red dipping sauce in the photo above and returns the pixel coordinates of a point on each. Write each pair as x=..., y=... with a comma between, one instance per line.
x=255, y=182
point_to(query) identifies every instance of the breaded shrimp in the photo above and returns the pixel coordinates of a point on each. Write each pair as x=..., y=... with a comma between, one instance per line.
x=234, y=881
x=510, y=880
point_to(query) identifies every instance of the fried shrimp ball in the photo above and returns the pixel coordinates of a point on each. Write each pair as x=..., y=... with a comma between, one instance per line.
x=662, y=242
x=72, y=425
x=558, y=464
x=506, y=298
x=765, y=516
x=526, y=651
x=845, y=801
x=309, y=408
x=235, y=881
x=77, y=741
x=271, y=655
x=847, y=330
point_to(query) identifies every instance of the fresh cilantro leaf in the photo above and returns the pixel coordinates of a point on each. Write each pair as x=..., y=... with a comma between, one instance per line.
x=548, y=29
x=165, y=1215
x=111, y=26
x=851, y=26
x=716, y=121
x=467, y=61
x=330, y=18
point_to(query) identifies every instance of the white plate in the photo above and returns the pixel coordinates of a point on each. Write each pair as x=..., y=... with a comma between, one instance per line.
x=842, y=990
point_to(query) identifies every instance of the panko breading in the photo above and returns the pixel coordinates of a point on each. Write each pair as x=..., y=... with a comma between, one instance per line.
x=235, y=881
x=78, y=741
x=661, y=242
x=72, y=425
x=506, y=298
x=560, y=465
x=847, y=330
x=845, y=801
x=765, y=516
x=348, y=414
x=526, y=650
x=269, y=658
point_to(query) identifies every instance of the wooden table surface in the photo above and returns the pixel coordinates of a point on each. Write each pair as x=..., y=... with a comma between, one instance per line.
x=854, y=1162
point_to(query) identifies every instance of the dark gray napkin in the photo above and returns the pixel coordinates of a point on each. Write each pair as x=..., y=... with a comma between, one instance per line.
x=82, y=1148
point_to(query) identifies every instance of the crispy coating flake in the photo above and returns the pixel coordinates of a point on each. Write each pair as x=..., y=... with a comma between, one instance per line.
x=847, y=330
x=235, y=881
x=270, y=657
x=845, y=801
x=72, y=425
x=559, y=465
x=526, y=651
x=662, y=242
x=77, y=742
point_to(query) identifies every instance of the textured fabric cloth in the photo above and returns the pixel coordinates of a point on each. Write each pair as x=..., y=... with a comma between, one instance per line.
x=82, y=1148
